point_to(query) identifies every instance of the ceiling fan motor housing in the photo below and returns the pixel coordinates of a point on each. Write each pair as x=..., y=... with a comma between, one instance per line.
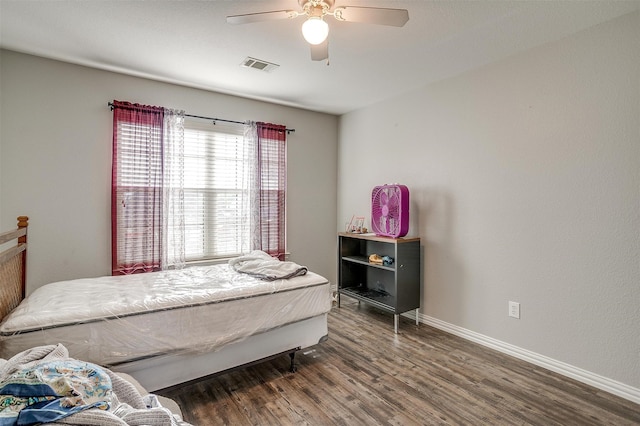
x=325, y=4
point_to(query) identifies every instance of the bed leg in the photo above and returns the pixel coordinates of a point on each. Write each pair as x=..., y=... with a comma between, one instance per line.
x=292, y=368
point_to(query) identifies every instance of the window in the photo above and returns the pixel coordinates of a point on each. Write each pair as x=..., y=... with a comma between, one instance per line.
x=184, y=189
x=215, y=190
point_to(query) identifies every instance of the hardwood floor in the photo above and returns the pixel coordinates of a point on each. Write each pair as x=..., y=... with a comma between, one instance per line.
x=367, y=375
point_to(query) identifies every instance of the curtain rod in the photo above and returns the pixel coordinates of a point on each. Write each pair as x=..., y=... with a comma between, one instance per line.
x=212, y=119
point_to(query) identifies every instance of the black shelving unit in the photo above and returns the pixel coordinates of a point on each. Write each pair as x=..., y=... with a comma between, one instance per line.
x=394, y=288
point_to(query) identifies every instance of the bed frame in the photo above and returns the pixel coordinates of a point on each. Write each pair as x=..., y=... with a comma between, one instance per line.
x=168, y=370
x=13, y=271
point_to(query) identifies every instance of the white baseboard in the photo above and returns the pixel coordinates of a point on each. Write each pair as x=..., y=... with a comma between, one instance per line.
x=592, y=379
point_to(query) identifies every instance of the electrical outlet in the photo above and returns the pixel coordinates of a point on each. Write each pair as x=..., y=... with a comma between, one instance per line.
x=514, y=309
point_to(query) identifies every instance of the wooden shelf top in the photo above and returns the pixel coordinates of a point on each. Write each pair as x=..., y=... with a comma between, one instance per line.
x=374, y=237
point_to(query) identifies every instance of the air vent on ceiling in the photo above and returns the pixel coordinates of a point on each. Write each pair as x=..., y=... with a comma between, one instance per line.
x=258, y=64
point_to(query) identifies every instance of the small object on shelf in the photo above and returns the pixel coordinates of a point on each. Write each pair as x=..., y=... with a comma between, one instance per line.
x=387, y=260
x=376, y=259
x=355, y=226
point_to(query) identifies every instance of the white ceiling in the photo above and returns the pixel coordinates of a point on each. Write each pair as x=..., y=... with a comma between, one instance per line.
x=190, y=43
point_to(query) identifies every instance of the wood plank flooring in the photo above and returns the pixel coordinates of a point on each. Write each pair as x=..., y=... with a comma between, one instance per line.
x=367, y=375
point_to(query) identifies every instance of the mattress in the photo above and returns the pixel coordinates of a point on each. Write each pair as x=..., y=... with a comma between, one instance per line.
x=115, y=319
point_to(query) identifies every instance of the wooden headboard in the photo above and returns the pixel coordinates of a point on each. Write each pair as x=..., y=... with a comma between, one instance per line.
x=13, y=267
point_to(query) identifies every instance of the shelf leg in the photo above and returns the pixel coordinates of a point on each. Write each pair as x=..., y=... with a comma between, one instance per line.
x=417, y=317
x=396, y=317
x=338, y=299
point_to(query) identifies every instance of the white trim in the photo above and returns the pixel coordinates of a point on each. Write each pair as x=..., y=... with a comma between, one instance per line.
x=620, y=389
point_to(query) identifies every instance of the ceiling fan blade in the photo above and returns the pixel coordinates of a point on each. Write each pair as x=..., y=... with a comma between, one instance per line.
x=320, y=52
x=373, y=15
x=262, y=16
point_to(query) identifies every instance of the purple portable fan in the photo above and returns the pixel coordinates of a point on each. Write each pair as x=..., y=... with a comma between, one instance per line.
x=390, y=210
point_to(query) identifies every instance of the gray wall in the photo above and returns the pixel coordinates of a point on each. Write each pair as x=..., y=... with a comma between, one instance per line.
x=524, y=177
x=55, y=164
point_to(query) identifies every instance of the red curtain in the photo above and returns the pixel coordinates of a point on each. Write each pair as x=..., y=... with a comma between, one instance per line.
x=136, y=190
x=273, y=182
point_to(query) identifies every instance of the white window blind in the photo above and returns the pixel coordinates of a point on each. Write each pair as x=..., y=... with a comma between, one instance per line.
x=138, y=194
x=215, y=194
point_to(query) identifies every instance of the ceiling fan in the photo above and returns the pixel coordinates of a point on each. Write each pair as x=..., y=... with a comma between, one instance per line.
x=315, y=30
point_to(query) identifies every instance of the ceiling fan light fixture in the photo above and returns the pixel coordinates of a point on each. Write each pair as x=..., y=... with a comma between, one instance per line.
x=315, y=30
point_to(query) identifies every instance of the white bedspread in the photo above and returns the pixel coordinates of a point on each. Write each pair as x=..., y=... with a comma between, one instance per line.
x=116, y=319
x=89, y=299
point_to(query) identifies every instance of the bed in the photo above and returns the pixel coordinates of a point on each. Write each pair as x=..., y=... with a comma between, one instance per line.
x=163, y=328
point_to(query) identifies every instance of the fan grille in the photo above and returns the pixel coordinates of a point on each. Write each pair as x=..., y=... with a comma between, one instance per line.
x=390, y=210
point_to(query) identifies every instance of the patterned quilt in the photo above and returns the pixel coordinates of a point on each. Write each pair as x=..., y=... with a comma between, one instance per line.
x=44, y=385
x=52, y=390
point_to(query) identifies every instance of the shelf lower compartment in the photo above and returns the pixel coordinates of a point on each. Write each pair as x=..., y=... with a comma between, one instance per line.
x=376, y=298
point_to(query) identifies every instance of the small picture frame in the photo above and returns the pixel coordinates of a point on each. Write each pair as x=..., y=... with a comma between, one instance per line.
x=356, y=225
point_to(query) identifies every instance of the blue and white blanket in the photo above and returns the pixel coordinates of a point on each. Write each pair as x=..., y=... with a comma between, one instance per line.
x=45, y=385
x=52, y=390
